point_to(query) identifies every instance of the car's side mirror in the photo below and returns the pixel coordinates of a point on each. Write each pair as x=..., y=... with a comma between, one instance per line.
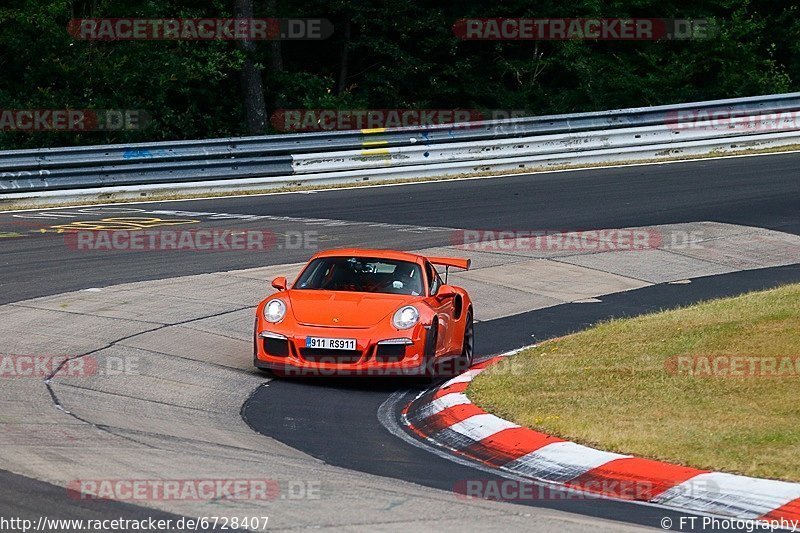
x=445, y=291
x=279, y=283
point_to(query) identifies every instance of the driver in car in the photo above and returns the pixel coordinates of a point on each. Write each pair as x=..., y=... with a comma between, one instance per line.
x=403, y=280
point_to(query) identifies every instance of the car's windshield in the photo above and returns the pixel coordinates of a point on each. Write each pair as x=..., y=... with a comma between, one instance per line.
x=359, y=274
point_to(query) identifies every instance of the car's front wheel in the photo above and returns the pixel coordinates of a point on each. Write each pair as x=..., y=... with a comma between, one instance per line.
x=429, y=357
x=468, y=347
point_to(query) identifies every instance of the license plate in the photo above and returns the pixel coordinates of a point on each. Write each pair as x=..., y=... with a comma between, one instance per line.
x=330, y=344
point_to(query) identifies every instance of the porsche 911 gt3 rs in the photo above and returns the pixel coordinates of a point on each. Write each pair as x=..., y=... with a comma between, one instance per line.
x=366, y=312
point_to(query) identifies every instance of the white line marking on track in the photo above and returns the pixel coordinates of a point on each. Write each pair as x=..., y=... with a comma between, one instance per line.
x=740, y=494
x=445, y=402
x=561, y=461
x=479, y=427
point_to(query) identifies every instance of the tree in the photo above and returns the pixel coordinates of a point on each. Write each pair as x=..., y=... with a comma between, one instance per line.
x=255, y=108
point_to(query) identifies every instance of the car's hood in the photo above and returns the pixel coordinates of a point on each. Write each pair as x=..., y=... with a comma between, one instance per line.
x=343, y=309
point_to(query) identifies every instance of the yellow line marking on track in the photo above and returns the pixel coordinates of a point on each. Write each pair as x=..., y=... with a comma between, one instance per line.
x=374, y=143
x=373, y=130
x=375, y=151
x=120, y=223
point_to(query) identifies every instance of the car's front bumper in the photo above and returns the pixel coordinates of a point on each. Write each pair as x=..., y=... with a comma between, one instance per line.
x=287, y=354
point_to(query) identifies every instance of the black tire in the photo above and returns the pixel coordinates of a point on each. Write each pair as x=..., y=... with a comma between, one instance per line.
x=468, y=347
x=431, y=339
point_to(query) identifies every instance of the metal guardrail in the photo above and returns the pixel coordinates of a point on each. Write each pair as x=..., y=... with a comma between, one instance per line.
x=403, y=152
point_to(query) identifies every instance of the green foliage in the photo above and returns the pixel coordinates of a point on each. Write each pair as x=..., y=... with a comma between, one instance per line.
x=400, y=54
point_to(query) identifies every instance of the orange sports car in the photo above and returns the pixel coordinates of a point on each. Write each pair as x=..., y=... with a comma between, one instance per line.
x=366, y=312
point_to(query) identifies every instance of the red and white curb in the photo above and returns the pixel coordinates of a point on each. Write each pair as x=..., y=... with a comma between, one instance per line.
x=446, y=418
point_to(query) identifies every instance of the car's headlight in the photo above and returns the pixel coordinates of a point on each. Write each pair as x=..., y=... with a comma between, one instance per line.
x=405, y=317
x=274, y=311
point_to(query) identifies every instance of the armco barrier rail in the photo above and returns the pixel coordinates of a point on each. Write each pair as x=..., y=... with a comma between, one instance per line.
x=335, y=157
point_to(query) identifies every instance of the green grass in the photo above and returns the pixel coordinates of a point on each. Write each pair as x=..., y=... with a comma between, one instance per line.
x=616, y=386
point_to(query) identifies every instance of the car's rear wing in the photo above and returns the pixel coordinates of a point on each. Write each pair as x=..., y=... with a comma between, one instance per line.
x=455, y=262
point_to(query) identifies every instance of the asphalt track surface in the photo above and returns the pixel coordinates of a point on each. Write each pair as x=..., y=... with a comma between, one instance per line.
x=759, y=191
x=756, y=191
x=334, y=420
x=29, y=499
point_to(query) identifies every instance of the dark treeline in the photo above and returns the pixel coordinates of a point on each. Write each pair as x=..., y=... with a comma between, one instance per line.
x=383, y=54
